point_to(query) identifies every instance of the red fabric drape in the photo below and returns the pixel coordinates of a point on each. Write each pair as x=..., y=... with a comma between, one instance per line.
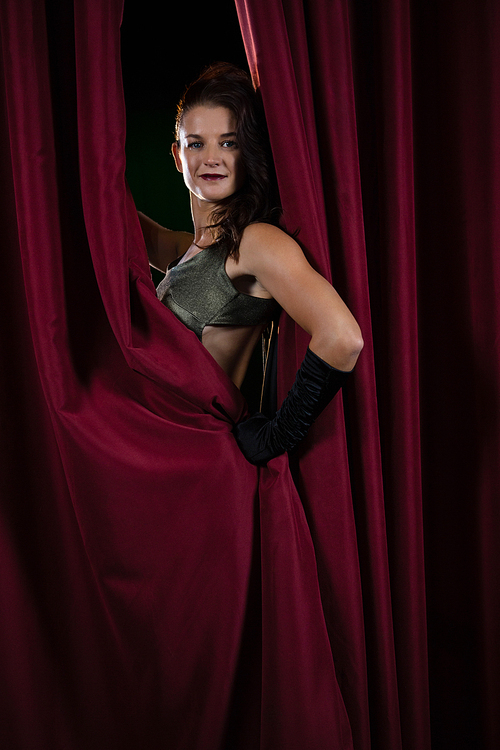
x=314, y=103
x=164, y=592
x=157, y=590
x=384, y=125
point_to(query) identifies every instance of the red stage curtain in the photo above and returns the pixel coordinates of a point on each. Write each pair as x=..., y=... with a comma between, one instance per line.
x=158, y=591
x=384, y=120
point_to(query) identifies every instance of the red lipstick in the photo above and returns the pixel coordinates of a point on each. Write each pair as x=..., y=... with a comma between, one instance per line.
x=212, y=176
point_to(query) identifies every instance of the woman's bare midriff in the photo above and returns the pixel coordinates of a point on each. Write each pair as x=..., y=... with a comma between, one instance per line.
x=232, y=347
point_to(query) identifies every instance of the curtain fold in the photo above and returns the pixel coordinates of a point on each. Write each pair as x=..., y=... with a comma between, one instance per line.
x=391, y=108
x=322, y=140
x=166, y=593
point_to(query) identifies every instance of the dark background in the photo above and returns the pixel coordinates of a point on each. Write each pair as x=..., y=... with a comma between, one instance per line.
x=159, y=60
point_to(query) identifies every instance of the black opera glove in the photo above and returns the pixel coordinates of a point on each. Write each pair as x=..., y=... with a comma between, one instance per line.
x=316, y=383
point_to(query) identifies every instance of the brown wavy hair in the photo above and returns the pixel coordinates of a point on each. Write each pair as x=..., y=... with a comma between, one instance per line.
x=225, y=85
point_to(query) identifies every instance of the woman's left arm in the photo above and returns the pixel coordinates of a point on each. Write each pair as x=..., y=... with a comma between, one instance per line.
x=281, y=268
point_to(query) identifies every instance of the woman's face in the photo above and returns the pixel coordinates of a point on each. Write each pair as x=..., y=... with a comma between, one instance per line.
x=208, y=153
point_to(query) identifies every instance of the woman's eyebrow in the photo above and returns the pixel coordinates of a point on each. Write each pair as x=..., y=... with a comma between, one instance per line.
x=200, y=137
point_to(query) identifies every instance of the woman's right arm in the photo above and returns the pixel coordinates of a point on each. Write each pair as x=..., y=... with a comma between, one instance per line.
x=163, y=245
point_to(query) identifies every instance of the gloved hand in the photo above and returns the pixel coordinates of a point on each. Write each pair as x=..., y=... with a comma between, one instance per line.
x=316, y=383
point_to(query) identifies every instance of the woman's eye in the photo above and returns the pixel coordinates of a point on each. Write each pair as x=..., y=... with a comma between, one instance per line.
x=195, y=144
x=229, y=144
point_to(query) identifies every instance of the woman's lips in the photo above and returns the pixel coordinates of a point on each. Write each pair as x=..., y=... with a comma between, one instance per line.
x=211, y=176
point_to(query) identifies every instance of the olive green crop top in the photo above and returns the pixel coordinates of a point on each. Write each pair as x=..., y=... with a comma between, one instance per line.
x=200, y=293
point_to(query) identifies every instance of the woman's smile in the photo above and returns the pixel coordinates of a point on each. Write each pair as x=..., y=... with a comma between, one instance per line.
x=208, y=155
x=210, y=177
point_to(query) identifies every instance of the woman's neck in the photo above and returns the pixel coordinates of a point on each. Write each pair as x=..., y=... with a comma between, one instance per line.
x=204, y=235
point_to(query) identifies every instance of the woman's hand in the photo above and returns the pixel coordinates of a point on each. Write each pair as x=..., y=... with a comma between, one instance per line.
x=316, y=383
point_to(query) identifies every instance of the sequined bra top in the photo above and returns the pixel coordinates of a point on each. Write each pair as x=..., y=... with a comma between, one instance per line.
x=200, y=293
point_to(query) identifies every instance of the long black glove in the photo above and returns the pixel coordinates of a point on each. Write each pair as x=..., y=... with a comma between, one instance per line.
x=316, y=383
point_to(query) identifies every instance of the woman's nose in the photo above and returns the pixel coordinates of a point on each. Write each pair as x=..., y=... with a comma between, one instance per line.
x=211, y=156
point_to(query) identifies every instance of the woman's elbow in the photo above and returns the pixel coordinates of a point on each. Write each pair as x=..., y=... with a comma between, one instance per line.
x=349, y=349
x=356, y=343
x=340, y=350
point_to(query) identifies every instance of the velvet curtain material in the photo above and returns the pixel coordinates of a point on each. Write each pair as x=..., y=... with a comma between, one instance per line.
x=156, y=589
x=319, y=174
x=136, y=611
x=385, y=131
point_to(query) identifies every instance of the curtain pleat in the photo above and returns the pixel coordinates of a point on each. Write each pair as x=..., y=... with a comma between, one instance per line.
x=390, y=108
x=163, y=592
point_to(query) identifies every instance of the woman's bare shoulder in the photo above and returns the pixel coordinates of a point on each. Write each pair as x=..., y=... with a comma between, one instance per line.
x=261, y=231
x=163, y=245
x=266, y=239
x=184, y=241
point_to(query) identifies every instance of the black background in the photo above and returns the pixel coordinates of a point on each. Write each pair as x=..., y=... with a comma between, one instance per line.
x=161, y=55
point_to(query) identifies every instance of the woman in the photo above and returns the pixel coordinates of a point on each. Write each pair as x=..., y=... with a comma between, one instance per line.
x=224, y=280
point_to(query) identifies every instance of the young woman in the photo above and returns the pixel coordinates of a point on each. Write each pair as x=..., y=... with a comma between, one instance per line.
x=225, y=280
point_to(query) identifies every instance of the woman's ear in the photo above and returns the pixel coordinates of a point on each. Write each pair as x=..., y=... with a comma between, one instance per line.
x=175, y=154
